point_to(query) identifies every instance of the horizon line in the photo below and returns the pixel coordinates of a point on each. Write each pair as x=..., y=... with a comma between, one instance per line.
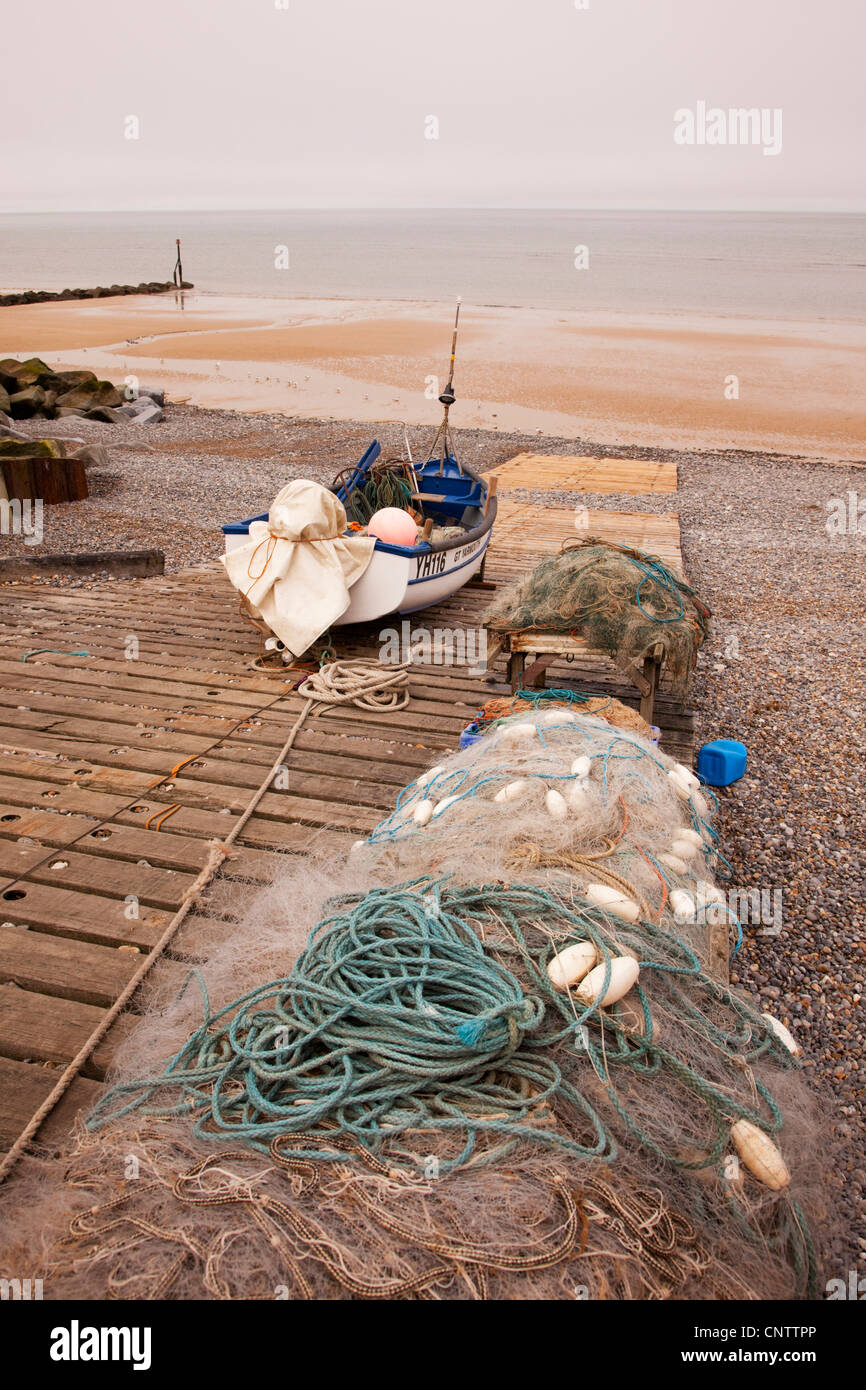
x=780, y=206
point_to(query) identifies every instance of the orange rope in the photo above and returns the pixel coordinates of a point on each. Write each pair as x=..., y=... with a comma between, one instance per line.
x=183, y=763
x=271, y=542
x=161, y=817
x=623, y=827
x=660, y=878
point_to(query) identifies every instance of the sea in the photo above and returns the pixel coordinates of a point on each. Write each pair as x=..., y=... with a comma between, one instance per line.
x=784, y=265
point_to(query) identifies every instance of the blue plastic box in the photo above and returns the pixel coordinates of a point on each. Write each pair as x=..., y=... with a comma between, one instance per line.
x=721, y=762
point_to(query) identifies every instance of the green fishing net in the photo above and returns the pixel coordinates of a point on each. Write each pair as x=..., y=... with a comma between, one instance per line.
x=621, y=601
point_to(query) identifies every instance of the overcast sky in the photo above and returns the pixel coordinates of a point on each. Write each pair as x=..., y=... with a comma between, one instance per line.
x=325, y=103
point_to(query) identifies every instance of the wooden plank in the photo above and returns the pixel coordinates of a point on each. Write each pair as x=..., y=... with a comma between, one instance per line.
x=64, y=968
x=23, y=1088
x=42, y=1028
x=88, y=874
x=84, y=916
x=162, y=848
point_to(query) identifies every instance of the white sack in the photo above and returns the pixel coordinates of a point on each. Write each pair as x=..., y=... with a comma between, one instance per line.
x=297, y=567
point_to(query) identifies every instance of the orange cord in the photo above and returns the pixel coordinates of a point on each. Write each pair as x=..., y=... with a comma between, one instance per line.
x=183, y=763
x=661, y=880
x=163, y=817
x=624, y=825
x=271, y=541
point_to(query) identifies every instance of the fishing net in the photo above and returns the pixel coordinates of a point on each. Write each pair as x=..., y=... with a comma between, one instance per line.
x=606, y=707
x=389, y=483
x=374, y=1088
x=555, y=790
x=622, y=601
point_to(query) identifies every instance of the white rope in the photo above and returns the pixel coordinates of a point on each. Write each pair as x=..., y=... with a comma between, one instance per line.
x=362, y=682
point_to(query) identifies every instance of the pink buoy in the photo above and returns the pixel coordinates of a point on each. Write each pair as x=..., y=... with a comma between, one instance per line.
x=394, y=526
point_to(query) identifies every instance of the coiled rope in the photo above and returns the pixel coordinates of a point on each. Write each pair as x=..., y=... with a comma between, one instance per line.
x=364, y=683
x=393, y=1019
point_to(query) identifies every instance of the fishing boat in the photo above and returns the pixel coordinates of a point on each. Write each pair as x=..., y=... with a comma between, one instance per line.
x=454, y=506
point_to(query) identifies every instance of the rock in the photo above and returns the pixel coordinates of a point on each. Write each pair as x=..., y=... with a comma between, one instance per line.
x=91, y=455
x=89, y=395
x=4, y=400
x=35, y=364
x=6, y=430
x=31, y=448
x=150, y=415
x=63, y=382
x=24, y=404
x=103, y=413
x=62, y=411
x=17, y=376
x=158, y=396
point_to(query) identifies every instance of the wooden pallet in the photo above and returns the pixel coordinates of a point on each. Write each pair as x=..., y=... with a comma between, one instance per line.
x=573, y=473
x=525, y=528
x=84, y=740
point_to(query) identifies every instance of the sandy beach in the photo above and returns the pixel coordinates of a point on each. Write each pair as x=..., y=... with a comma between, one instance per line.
x=652, y=380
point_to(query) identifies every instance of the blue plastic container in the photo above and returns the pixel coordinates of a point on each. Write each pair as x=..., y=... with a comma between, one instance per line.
x=471, y=734
x=721, y=762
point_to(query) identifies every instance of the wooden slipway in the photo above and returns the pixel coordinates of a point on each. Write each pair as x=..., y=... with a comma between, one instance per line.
x=573, y=473
x=83, y=740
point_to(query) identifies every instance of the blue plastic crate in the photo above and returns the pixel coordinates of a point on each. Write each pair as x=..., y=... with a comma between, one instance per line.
x=721, y=762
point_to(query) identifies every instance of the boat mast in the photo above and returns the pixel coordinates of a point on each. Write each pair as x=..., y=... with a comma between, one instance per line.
x=443, y=434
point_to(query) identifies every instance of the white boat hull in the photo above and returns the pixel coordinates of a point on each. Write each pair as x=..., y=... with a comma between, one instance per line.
x=404, y=584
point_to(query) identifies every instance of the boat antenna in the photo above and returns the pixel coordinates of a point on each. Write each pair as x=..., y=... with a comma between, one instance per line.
x=447, y=398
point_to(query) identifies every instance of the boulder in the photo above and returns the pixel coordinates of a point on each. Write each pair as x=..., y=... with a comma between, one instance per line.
x=9, y=369
x=4, y=400
x=6, y=430
x=151, y=414
x=31, y=448
x=62, y=382
x=24, y=404
x=91, y=455
x=89, y=395
x=35, y=364
x=158, y=396
x=17, y=376
x=103, y=413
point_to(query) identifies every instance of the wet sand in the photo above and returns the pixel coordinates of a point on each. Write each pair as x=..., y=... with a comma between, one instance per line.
x=658, y=381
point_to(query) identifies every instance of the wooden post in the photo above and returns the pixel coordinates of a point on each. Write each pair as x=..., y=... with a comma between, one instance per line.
x=178, y=270
x=492, y=485
x=516, y=664
x=652, y=673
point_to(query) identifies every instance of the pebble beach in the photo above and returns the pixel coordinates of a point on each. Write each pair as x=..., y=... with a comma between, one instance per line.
x=783, y=672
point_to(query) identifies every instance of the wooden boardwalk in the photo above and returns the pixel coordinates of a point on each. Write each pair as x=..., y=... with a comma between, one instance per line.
x=580, y=473
x=149, y=674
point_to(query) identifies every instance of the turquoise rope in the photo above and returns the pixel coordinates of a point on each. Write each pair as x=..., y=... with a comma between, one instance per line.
x=37, y=651
x=394, y=1018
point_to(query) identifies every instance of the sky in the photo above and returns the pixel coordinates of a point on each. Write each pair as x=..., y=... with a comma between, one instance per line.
x=328, y=103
